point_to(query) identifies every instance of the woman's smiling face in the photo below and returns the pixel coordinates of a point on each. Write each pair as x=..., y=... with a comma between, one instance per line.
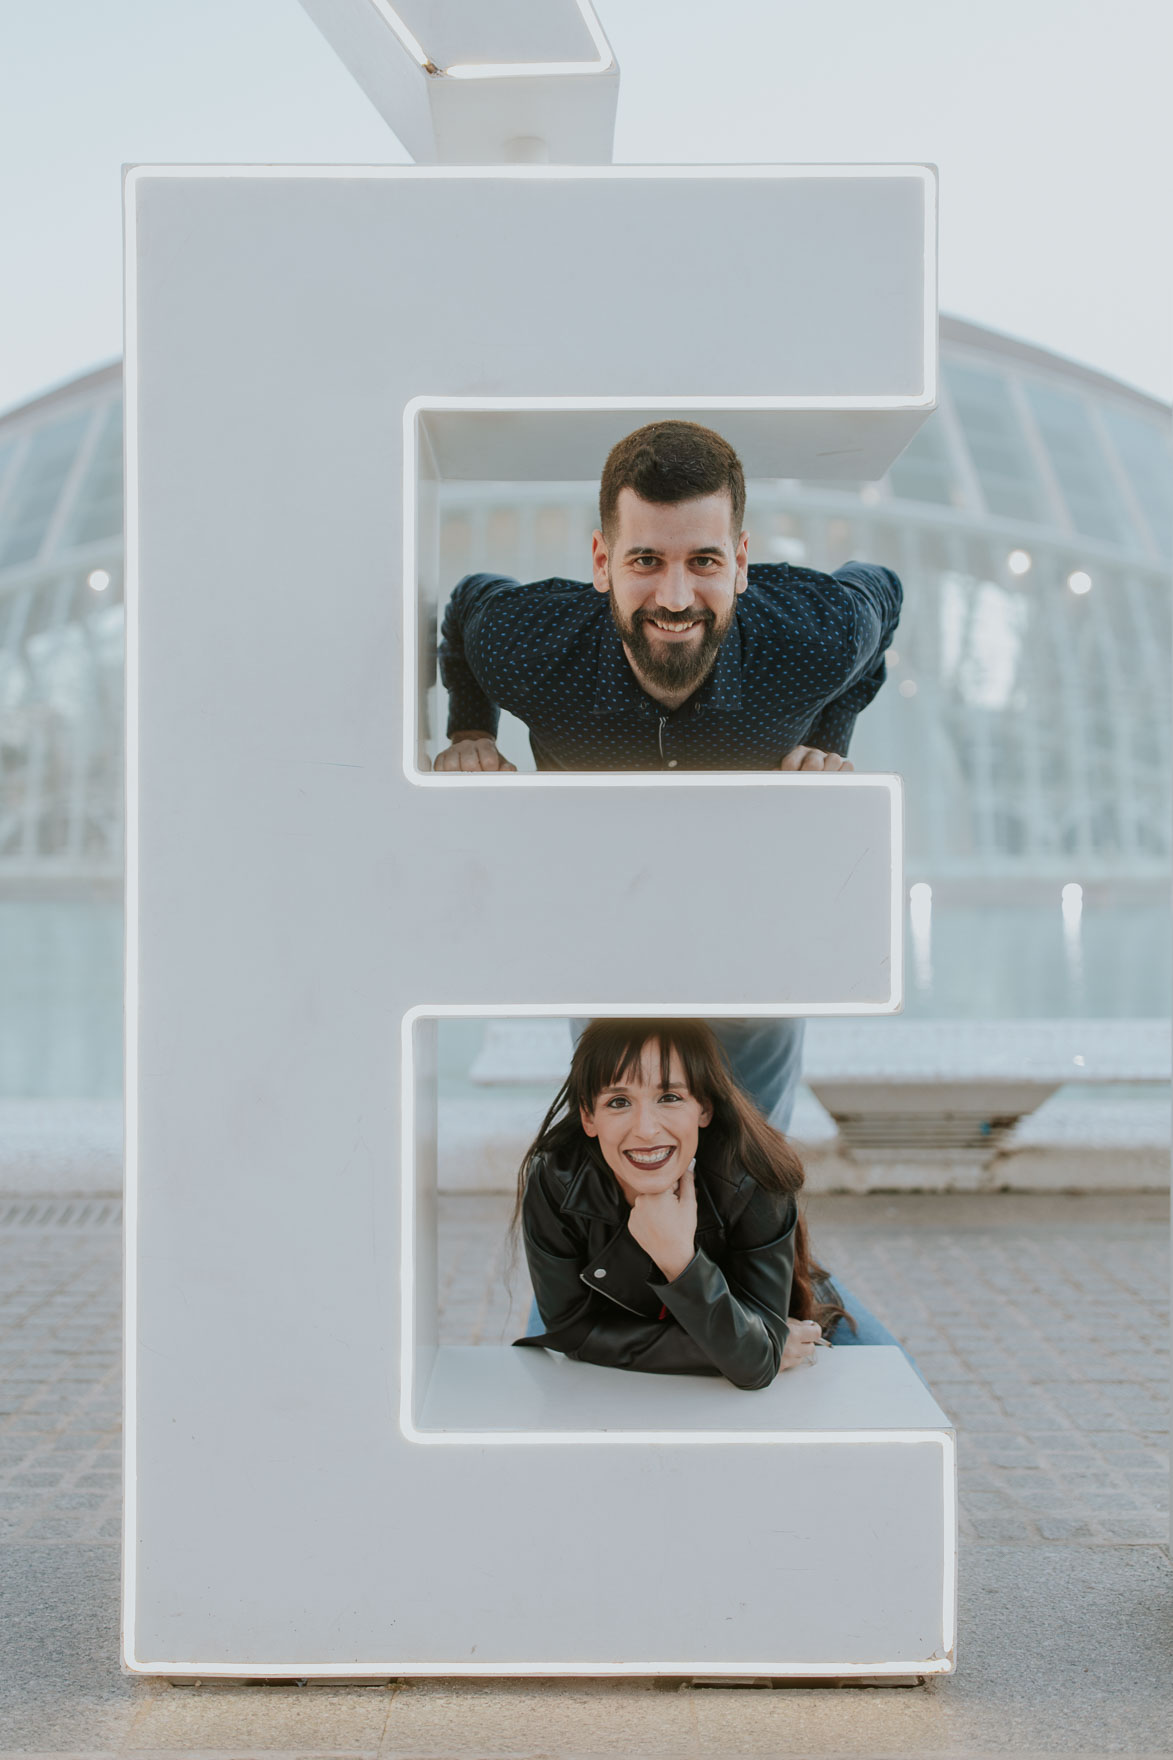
x=647, y=1130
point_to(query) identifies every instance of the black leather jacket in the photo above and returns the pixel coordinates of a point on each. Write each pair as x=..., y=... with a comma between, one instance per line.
x=603, y=1300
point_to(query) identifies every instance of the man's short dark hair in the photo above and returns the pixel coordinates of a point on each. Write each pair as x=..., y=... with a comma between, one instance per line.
x=672, y=461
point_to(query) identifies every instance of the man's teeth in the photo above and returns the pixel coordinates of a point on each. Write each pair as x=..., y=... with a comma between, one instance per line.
x=691, y=624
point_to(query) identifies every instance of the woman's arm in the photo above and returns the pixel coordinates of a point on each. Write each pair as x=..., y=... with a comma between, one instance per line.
x=581, y=1324
x=736, y=1312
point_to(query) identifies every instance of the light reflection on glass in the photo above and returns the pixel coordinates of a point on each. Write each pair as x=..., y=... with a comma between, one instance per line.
x=982, y=631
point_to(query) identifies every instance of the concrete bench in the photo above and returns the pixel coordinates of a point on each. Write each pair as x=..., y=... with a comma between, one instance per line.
x=952, y=1094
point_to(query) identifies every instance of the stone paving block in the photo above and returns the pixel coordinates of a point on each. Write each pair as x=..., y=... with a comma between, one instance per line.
x=1125, y=1527
x=1003, y=1527
x=1065, y=1528
x=53, y=1528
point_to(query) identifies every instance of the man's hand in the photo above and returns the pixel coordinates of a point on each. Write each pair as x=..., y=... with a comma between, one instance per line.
x=472, y=751
x=810, y=758
x=802, y=1339
x=664, y=1224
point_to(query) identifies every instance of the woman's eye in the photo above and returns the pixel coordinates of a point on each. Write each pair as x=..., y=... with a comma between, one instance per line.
x=671, y=1096
x=616, y=1103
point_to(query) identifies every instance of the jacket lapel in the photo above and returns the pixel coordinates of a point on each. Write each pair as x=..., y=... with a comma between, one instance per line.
x=621, y=1270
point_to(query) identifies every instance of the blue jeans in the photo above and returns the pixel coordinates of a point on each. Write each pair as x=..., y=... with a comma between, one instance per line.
x=765, y=1056
x=868, y=1330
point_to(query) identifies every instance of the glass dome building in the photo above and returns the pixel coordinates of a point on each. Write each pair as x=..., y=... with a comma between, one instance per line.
x=1029, y=687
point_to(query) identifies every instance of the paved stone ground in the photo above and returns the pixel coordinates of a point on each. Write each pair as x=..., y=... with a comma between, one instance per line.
x=60, y=1382
x=1040, y=1323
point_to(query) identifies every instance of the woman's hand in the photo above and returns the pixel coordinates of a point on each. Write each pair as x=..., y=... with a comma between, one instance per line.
x=664, y=1224
x=802, y=1340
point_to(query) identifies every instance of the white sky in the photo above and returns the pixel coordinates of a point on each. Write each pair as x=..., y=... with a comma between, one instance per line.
x=1046, y=118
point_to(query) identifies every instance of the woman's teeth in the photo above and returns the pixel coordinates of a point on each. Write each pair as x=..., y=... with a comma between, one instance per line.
x=648, y=1158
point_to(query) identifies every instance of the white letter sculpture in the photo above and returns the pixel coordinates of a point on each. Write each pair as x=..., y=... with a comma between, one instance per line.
x=314, y=1486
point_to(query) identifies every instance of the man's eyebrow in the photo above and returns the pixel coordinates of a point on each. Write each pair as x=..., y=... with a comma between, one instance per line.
x=651, y=550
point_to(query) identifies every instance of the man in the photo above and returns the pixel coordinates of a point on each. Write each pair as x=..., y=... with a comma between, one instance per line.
x=685, y=656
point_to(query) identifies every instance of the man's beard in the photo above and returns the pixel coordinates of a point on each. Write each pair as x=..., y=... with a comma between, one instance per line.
x=672, y=666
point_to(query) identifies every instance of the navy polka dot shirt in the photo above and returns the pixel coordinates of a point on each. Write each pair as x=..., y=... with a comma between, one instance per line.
x=803, y=656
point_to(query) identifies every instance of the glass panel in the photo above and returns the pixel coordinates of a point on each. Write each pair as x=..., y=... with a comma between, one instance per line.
x=97, y=509
x=924, y=470
x=996, y=443
x=7, y=448
x=36, y=490
x=982, y=632
x=1079, y=464
x=1144, y=451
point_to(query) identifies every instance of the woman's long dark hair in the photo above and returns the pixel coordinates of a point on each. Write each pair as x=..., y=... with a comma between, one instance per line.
x=737, y=1139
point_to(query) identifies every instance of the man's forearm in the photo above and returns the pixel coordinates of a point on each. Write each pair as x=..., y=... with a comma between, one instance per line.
x=469, y=704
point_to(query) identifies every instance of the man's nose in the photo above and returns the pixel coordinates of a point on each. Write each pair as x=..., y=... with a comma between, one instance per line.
x=674, y=588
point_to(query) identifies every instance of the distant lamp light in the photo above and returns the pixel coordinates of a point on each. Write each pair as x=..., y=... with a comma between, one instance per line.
x=908, y=687
x=870, y=495
x=1072, y=896
x=98, y=579
x=1018, y=561
x=1079, y=1060
x=920, y=917
x=892, y=657
x=1080, y=582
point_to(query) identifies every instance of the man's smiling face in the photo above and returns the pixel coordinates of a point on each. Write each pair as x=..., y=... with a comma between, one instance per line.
x=673, y=571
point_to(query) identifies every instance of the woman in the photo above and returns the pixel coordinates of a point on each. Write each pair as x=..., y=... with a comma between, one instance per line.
x=658, y=1210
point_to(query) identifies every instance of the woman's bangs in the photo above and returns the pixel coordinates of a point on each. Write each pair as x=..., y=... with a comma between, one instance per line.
x=612, y=1051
